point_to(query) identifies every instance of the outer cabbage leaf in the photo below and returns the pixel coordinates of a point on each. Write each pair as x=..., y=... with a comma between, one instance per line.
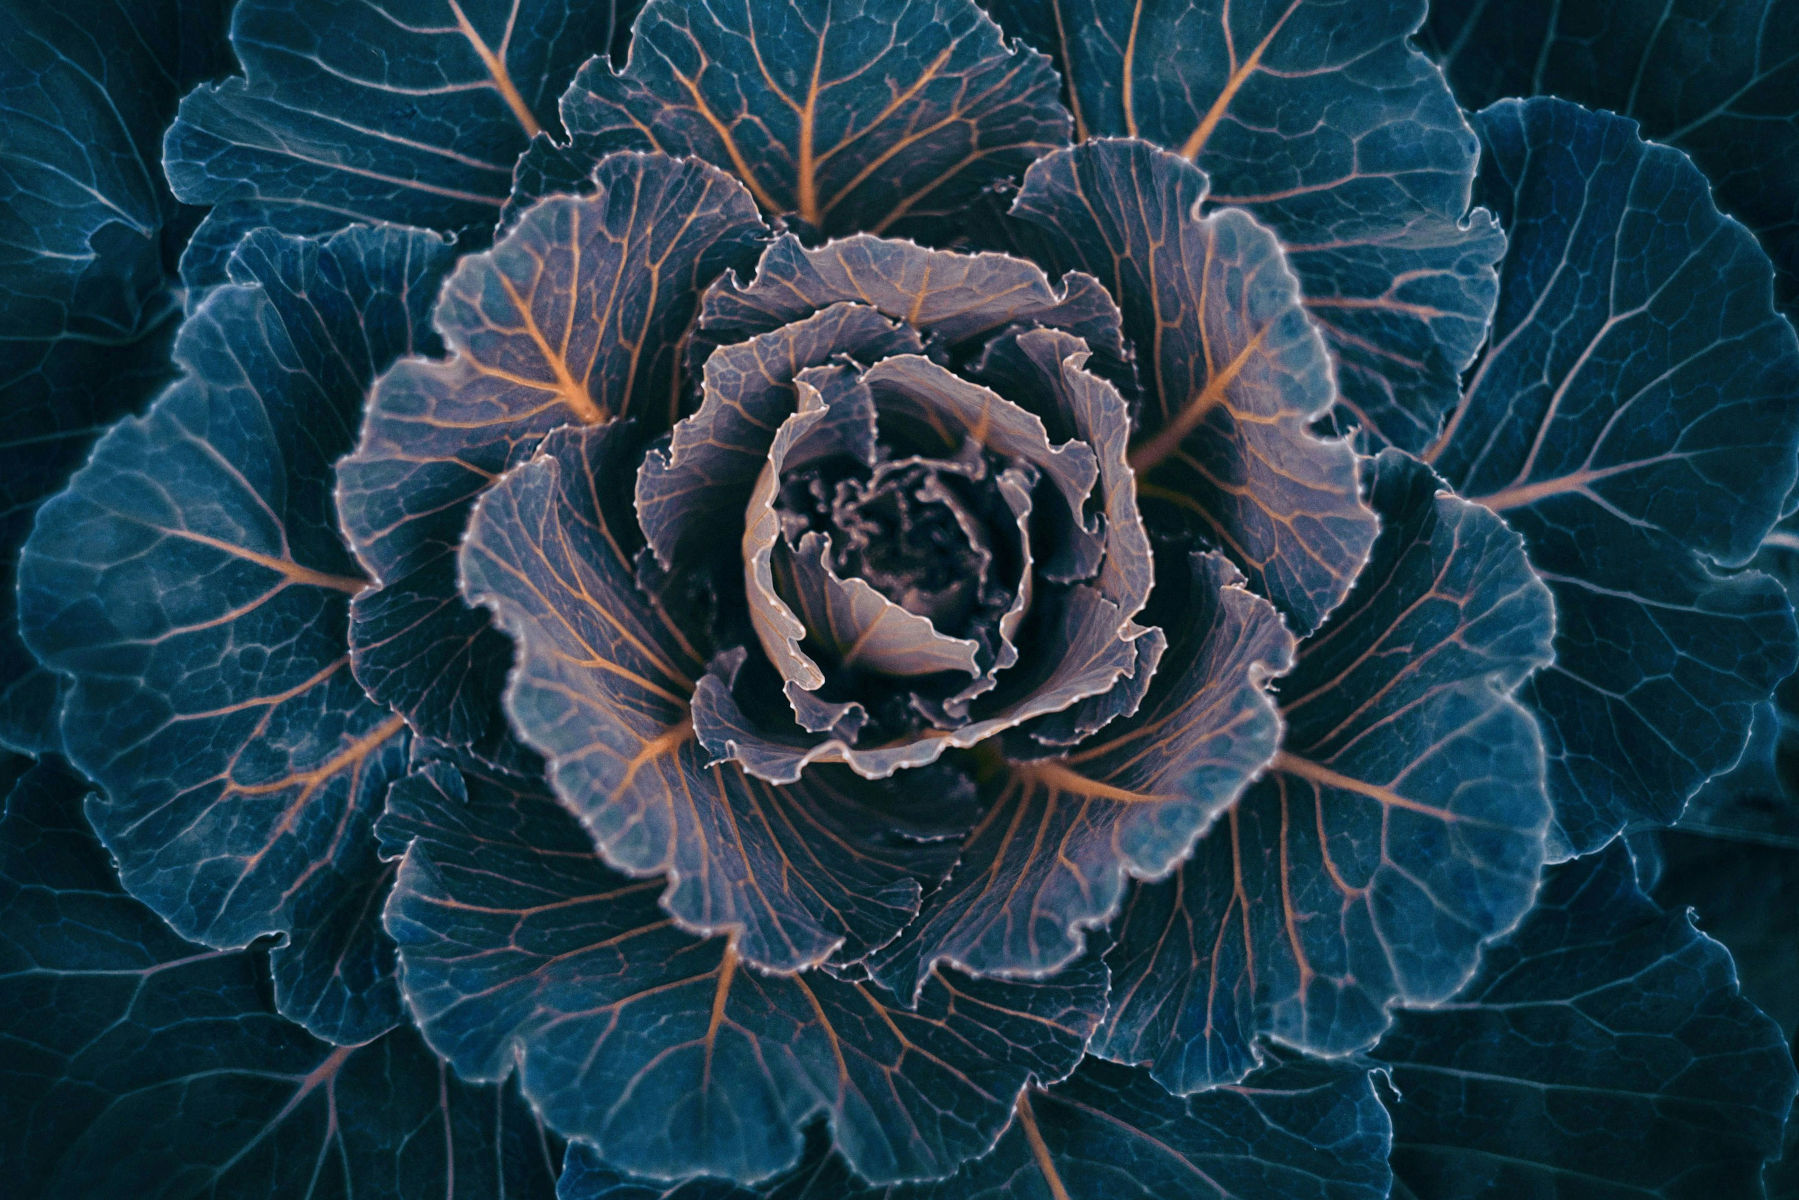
x=1734, y=858
x=602, y=689
x=1603, y=1050
x=87, y=234
x=1308, y=1131
x=1050, y=856
x=1232, y=369
x=1714, y=79
x=1401, y=824
x=1111, y=1133
x=1320, y=118
x=12, y=767
x=1757, y=796
x=669, y=1053
x=1752, y=799
x=1634, y=419
x=134, y=1063
x=192, y=583
x=87, y=88
x=586, y=1176
x=842, y=114
x=411, y=111
x=1741, y=886
x=335, y=973
x=578, y=315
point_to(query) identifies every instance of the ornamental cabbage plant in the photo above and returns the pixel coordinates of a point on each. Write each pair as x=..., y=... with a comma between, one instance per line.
x=819, y=598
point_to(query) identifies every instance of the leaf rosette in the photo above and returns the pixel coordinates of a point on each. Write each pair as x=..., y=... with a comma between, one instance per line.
x=941, y=612
x=867, y=607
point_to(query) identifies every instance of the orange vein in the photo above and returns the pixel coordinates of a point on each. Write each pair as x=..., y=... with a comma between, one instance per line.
x=727, y=969
x=496, y=70
x=1168, y=439
x=1197, y=140
x=808, y=164
x=1322, y=775
x=292, y=571
x=1027, y=1121
x=572, y=393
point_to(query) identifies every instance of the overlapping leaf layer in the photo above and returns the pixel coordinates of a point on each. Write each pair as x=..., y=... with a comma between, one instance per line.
x=812, y=598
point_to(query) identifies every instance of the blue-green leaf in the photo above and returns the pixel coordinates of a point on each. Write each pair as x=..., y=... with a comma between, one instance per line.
x=192, y=583
x=602, y=689
x=1232, y=369
x=586, y=1176
x=335, y=973
x=670, y=1054
x=1304, y=1131
x=410, y=111
x=1320, y=118
x=1400, y=825
x=1633, y=418
x=846, y=116
x=1741, y=887
x=1111, y=1133
x=1052, y=853
x=579, y=314
x=1717, y=80
x=86, y=230
x=1603, y=1051
x=133, y=1063
x=1760, y=794
x=1734, y=858
x=1298, y=1132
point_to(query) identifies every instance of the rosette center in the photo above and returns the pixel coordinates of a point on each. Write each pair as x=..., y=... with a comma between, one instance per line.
x=921, y=532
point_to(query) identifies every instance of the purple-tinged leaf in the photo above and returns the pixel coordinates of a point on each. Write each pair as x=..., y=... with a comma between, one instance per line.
x=1400, y=825
x=1321, y=119
x=192, y=583
x=1090, y=654
x=959, y=298
x=1633, y=418
x=1052, y=853
x=133, y=1063
x=845, y=116
x=1602, y=1051
x=670, y=1054
x=795, y=595
x=1232, y=369
x=914, y=393
x=858, y=625
x=577, y=315
x=602, y=689
x=692, y=494
x=1044, y=368
x=410, y=111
